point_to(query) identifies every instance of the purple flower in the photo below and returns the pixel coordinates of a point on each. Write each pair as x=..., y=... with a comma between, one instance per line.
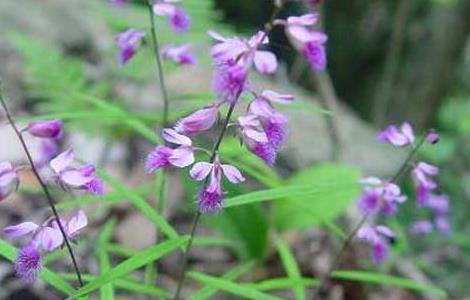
x=421, y=175
x=8, y=179
x=380, y=195
x=439, y=204
x=45, y=129
x=28, y=263
x=229, y=81
x=379, y=237
x=421, y=227
x=211, y=195
x=76, y=177
x=244, y=52
x=179, y=54
x=397, y=137
x=48, y=236
x=256, y=139
x=48, y=148
x=310, y=43
x=164, y=157
x=432, y=138
x=127, y=42
x=198, y=121
x=178, y=17
x=442, y=225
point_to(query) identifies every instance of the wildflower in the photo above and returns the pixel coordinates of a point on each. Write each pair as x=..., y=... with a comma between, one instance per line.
x=421, y=227
x=179, y=54
x=45, y=129
x=211, y=195
x=442, y=225
x=379, y=237
x=432, y=138
x=178, y=17
x=164, y=157
x=256, y=139
x=76, y=177
x=8, y=179
x=198, y=121
x=28, y=263
x=380, y=195
x=310, y=43
x=397, y=137
x=127, y=42
x=244, y=52
x=229, y=81
x=274, y=123
x=421, y=175
x=48, y=148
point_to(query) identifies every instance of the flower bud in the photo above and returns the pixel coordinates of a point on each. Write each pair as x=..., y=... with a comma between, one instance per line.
x=200, y=120
x=45, y=129
x=432, y=138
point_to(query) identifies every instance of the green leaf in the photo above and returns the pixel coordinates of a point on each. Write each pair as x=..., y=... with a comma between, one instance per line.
x=107, y=290
x=384, y=279
x=231, y=287
x=141, y=204
x=209, y=291
x=126, y=284
x=134, y=262
x=283, y=283
x=9, y=252
x=332, y=189
x=290, y=265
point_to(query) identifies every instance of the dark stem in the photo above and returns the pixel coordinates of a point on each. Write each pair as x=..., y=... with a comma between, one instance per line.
x=198, y=213
x=49, y=197
x=352, y=234
x=268, y=29
x=158, y=61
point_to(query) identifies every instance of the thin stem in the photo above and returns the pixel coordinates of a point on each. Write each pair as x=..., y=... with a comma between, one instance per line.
x=49, y=197
x=363, y=220
x=215, y=149
x=158, y=61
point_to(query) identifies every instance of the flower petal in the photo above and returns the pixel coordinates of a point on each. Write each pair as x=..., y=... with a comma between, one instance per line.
x=200, y=170
x=77, y=222
x=49, y=238
x=75, y=178
x=265, y=62
x=172, y=136
x=277, y=97
x=20, y=229
x=232, y=174
x=182, y=157
x=62, y=161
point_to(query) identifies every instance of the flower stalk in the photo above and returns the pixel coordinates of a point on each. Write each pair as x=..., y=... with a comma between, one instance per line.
x=44, y=187
x=365, y=217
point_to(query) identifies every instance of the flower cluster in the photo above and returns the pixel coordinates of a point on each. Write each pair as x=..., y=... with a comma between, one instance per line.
x=45, y=237
x=262, y=128
x=129, y=40
x=384, y=197
x=68, y=174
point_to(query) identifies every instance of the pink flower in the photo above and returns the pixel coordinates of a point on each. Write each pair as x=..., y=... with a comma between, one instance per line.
x=179, y=54
x=310, y=43
x=211, y=195
x=8, y=179
x=421, y=227
x=45, y=129
x=128, y=42
x=439, y=204
x=379, y=237
x=244, y=52
x=380, y=195
x=178, y=17
x=198, y=121
x=76, y=177
x=421, y=175
x=442, y=224
x=164, y=157
x=397, y=137
x=48, y=148
x=28, y=264
x=229, y=81
x=48, y=236
x=256, y=138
